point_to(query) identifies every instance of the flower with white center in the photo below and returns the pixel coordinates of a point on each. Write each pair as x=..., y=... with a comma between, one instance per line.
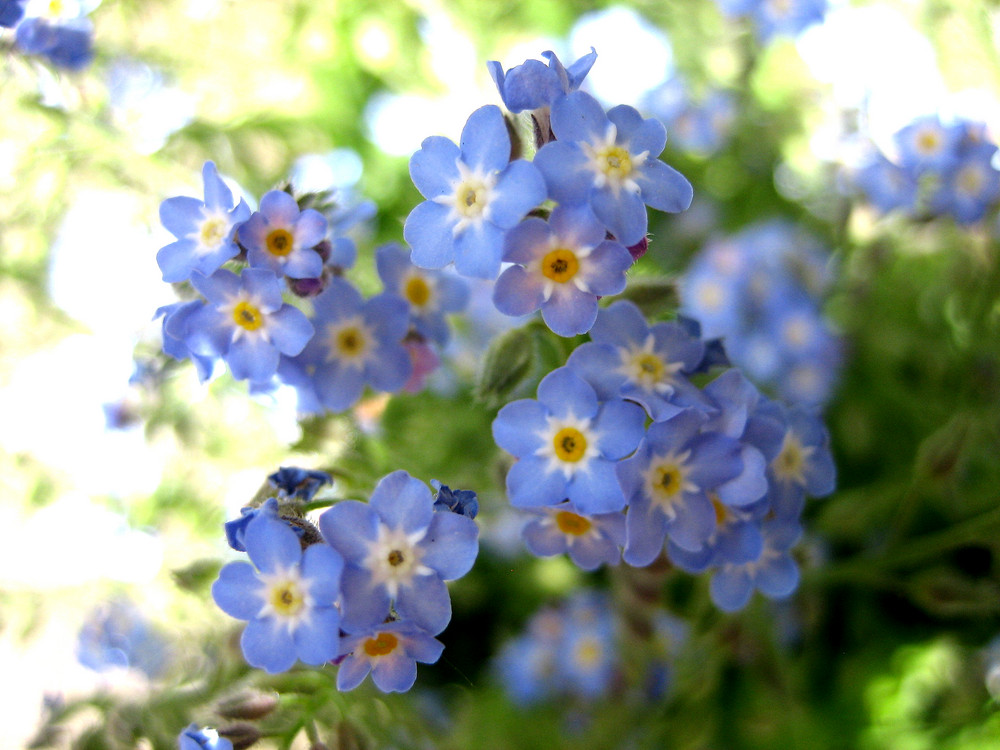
x=289, y=599
x=399, y=553
x=567, y=445
x=474, y=195
x=205, y=231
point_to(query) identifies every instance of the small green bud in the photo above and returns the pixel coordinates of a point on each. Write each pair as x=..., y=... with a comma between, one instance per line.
x=248, y=705
x=506, y=364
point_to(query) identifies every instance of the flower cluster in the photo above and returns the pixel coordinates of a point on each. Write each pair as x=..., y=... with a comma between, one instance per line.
x=937, y=169
x=761, y=290
x=701, y=125
x=246, y=318
x=772, y=18
x=573, y=650
x=717, y=480
x=59, y=32
x=368, y=592
x=599, y=167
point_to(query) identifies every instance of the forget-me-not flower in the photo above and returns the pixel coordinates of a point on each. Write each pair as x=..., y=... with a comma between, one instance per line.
x=204, y=229
x=390, y=651
x=589, y=540
x=399, y=553
x=561, y=266
x=288, y=600
x=474, y=195
x=609, y=161
x=281, y=237
x=533, y=84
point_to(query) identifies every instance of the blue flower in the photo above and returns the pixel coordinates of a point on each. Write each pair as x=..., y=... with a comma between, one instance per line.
x=237, y=528
x=282, y=238
x=176, y=329
x=609, y=162
x=589, y=540
x=563, y=267
x=303, y=484
x=532, y=84
x=970, y=187
x=117, y=635
x=803, y=466
x=246, y=322
x=66, y=45
x=567, y=444
x=11, y=11
x=194, y=737
x=886, y=185
x=629, y=359
x=399, y=553
x=390, y=651
x=430, y=294
x=204, y=229
x=774, y=573
x=928, y=144
x=668, y=481
x=288, y=601
x=474, y=194
x=773, y=17
x=463, y=502
x=357, y=342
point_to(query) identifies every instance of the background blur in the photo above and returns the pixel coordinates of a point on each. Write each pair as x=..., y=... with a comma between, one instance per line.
x=117, y=467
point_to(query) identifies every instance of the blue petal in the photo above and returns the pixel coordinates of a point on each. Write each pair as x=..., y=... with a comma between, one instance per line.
x=485, y=144
x=596, y=490
x=607, y=266
x=338, y=387
x=694, y=522
x=664, y=188
x=391, y=370
x=350, y=527
x=434, y=167
x=570, y=313
x=262, y=285
x=531, y=485
x=339, y=300
x=730, y=588
x=217, y=193
x=519, y=189
x=252, y=358
x=271, y=544
x=518, y=292
x=517, y=426
x=619, y=323
x=451, y=545
x=363, y=605
x=530, y=85
x=304, y=263
x=564, y=392
x=544, y=539
x=577, y=226
x=279, y=208
x=623, y=213
x=645, y=532
x=180, y=215
x=389, y=315
x=578, y=117
x=428, y=230
x=641, y=135
x=237, y=591
x=597, y=363
x=352, y=672
x=426, y=603
x=394, y=674
x=322, y=567
x=526, y=241
x=176, y=260
x=268, y=645
x=403, y=502
x=564, y=167
x=478, y=249
x=317, y=640
x=289, y=329
x=392, y=261
x=779, y=578
x=310, y=228
x=218, y=288
x=620, y=426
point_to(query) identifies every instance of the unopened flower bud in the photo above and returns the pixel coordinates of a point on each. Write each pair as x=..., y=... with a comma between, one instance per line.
x=248, y=705
x=242, y=735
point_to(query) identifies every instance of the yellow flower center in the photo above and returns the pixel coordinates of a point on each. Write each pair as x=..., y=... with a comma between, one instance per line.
x=615, y=162
x=721, y=513
x=395, y=558
x=279, y=242
x=569, y=444
x=214, y=231
x=381, y=644
x=417, y=291
x=571, y=523
x=588, y=653
x=969, y=181
x=928, y=142
x=350, y=341
x=668, y=479
x=247, y=316
x=560, y=265
x=469, y=198
x=287, y=599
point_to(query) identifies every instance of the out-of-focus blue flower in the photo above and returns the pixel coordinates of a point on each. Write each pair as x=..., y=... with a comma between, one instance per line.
x=589, y=540
x=291, y=481
x=11, y=11
x=66, y=45
x=204, y=229
x=533, y=84
x=281, y=237
x=777, y=17
x=567, y=444
x=176, y=329
x=430, y=294
x=760, y=291
x=561, y=266
x=927, y=144
x=589, y=653
x=629, y=359
x=194, y=737
x=527, y=665
x=390, y=651
x=970, y=187
x=474, y=194
x=887, y=185
x=118, y=635
x=399, y=553
x=357, y=342
x=699, y=126
x=246, y=322
x=608, y=161
x=463, y=502
x=803, y=466
x=288, y=600
x=668, y=481
x=774, y=573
